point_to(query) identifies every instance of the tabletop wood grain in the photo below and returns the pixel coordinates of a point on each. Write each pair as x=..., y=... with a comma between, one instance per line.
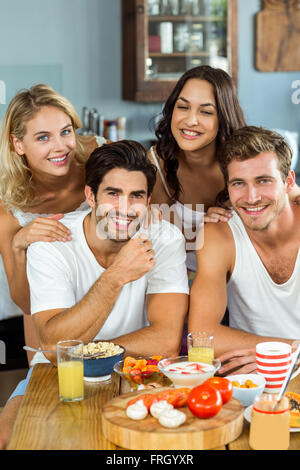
x=44, y=423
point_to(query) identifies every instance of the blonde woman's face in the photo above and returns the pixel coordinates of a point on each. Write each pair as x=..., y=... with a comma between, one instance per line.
x=49, y=142
x=195, y=123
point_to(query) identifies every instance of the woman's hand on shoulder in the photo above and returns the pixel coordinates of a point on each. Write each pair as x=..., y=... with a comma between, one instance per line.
x=217, y=214
x=41, y=229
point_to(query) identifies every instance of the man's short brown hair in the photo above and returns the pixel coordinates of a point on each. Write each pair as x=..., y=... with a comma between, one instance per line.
x=248, y=142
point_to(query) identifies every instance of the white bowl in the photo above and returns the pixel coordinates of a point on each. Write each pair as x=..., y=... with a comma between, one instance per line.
x=246, y=395
x=187, y=378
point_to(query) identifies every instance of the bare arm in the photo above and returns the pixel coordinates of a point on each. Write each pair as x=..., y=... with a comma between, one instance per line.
x=7, y=420
x=166, y=313
x=215, y=262
x=15, y=266
x=14, y=241
x=86, y=318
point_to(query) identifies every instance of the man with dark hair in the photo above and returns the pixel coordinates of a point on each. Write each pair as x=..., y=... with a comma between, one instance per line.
x=115, y=280
x=252, y=263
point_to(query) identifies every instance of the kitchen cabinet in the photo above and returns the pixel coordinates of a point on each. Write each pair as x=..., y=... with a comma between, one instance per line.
x=161, y=39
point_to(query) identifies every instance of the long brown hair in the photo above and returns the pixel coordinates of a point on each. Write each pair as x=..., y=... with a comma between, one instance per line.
x=230, y=116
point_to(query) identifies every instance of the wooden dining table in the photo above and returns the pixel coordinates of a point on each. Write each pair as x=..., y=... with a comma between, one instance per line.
x=45, y=423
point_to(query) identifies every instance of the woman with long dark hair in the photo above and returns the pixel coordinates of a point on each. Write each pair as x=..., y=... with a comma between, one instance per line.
x=200, y=113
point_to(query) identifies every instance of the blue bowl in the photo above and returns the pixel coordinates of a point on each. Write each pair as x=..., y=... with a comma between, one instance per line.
x=101, y=366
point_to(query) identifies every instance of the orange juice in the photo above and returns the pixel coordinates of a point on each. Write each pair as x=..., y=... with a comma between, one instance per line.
x=70, y=380
x=201, y=354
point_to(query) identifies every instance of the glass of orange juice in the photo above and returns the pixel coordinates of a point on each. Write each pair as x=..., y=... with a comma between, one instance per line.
x=200, y=347
x=70, y=370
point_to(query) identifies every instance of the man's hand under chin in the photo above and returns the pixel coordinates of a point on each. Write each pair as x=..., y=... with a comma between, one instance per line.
x=239, y=361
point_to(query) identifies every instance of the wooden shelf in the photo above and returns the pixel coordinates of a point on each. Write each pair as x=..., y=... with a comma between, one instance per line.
x=135, y=47
x=185, y=19
x=179, y=54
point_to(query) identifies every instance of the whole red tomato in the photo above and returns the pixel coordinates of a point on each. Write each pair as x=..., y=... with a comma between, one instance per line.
x=204, y=401
x=223, y=385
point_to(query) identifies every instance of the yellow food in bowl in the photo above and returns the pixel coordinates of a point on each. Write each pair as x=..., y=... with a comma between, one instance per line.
x=247, y=384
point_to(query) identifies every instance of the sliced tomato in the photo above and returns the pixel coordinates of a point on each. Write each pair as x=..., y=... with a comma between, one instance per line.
x=182, y=401
x=148, y=399
x=177, y=397
x=204, y=401
x=224, y=386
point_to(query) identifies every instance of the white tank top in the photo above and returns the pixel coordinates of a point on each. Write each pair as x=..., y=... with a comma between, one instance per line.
x=256, y=303
x=187, y=216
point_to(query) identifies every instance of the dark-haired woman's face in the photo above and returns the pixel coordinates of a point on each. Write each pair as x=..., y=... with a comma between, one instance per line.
x=194, y=123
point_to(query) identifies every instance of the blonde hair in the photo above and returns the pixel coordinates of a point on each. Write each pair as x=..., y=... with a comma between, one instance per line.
x=16, y=182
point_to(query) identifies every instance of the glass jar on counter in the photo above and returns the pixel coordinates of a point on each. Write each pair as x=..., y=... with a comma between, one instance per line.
x=270, y=427
x=111, y=131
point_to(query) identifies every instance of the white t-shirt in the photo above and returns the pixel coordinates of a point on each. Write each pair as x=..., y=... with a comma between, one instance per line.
x=61, y=273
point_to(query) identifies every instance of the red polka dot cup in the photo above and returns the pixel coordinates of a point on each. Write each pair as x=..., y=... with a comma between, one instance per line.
x=273, y=360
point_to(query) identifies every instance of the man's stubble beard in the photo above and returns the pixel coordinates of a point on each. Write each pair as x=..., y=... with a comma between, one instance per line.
x=278, y=209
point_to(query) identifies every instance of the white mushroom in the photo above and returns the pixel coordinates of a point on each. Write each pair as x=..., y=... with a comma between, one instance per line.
x=172, y=418
x=160, y=407
x=137, y=411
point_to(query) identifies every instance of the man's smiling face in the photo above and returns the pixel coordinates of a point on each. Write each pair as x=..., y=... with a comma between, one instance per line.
x=121, y=205
x=256, y=190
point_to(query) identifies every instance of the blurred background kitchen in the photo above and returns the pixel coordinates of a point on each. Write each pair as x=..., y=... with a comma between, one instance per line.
x=80, y=48
x=76, y=47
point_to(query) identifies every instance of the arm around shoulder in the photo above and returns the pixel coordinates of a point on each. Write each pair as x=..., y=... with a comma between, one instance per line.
x=208, y=299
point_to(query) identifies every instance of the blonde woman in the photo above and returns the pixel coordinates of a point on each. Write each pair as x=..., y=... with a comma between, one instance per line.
x=41, y=178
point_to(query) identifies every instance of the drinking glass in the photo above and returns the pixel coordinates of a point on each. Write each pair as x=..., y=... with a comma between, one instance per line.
x=70, y=370
x=201, y=347
x=270, y=423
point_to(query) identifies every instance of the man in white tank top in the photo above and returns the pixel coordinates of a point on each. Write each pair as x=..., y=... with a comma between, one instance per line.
x=252, y=264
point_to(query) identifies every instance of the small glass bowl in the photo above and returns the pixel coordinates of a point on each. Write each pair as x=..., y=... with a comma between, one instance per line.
x=187, y=378
x=144, y=379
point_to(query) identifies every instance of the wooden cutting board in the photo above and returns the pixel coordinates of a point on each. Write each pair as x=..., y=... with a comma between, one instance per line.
x=278, y=36
x=148, y=434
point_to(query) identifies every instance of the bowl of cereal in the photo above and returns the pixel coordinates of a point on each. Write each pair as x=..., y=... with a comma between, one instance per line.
x=246, y=387
x=99, y=358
